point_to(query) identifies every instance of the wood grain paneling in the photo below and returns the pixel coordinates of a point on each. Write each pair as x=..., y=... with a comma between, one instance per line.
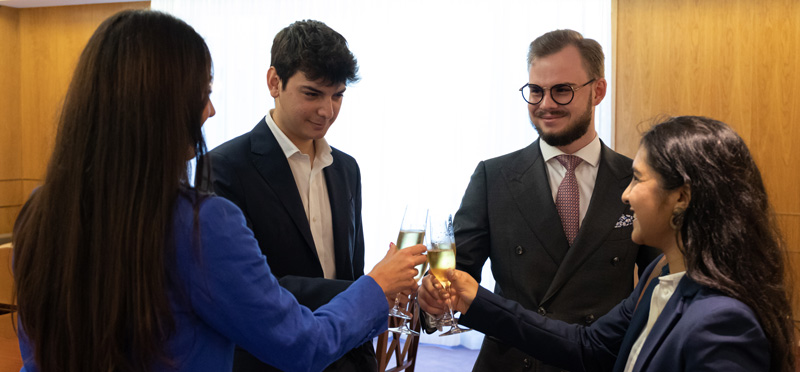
x=10, y=155
x=732, y=60
x=7, y=217
x=51, y=42
x=40, y=49
x=10, y=193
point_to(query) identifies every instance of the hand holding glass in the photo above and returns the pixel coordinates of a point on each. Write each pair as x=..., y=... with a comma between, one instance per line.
x=442, y=257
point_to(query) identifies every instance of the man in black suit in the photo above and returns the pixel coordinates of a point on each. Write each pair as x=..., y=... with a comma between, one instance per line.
x=573, y=266
x=301, y=197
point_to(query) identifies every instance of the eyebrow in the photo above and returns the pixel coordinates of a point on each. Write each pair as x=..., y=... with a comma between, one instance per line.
x=315, y=90
x=542, y=86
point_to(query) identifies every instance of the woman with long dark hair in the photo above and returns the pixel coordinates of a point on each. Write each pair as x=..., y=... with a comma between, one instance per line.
x=717, y=300
x=121, y=265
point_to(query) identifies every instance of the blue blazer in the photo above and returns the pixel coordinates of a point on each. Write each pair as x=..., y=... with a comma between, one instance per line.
x=700, y=329
x=226, y=295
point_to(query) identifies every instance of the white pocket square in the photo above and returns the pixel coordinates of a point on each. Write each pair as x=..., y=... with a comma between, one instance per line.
x=624, y=220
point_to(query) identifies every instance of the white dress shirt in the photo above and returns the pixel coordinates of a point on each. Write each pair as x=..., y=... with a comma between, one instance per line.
x=585, y=172
x=313, y=191
x=661, y=294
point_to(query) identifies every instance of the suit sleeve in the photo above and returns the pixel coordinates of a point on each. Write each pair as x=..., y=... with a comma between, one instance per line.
x=570, y=346
x=471, y=226
x=232, y=289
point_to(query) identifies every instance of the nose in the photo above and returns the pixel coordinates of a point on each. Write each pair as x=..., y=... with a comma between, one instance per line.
x=626, y=194
x=210, y=108
x=326, y=108
x=547, y=100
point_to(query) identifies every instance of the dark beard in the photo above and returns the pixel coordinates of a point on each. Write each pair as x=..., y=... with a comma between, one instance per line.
x=574, y=131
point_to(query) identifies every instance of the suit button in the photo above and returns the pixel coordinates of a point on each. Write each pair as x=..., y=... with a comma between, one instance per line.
x=518, y=250
x=615, y=261
x=526, y=362
x=589, y=319
x=542, y=311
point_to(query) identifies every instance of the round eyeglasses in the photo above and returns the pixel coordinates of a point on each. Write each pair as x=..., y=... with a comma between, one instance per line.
x=561, y=94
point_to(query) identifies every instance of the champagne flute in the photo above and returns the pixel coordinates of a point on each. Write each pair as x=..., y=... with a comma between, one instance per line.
x=442, y=257
x=412, y=232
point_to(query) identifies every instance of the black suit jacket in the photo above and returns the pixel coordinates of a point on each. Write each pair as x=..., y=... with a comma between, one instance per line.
x=508, y=215
x=252, y=172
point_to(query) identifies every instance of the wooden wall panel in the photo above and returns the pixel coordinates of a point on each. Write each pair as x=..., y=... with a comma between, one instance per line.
x=40, y=49
x=732, y=60
x=10, y=149
x=52, y=40
x=9, y=94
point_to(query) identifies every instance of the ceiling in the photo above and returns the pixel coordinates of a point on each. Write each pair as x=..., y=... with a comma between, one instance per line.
x=42, y=3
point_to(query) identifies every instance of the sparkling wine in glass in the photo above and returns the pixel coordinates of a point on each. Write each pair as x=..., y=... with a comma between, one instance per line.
x=412, y=232
x=442, y=257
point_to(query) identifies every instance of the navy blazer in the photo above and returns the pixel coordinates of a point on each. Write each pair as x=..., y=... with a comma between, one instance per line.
x=700, y=329
x=252, y=171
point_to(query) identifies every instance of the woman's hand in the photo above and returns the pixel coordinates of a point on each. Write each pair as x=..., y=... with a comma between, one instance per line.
x=431, y=296
x=395, y=272
x=463, y=289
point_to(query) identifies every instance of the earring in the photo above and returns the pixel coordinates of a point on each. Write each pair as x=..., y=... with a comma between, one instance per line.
x=677, y=218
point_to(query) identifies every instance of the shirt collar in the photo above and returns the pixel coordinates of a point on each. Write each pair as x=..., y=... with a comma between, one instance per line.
x=590, y=153
x=322, y=148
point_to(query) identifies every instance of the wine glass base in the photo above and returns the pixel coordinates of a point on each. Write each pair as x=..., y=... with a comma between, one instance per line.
x=399, y=314
x=404, y=330
x=455, y=330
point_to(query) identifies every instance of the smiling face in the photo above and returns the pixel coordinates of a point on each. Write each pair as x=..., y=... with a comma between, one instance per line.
x=304, y=109
x=652, y=206
x=568, y=127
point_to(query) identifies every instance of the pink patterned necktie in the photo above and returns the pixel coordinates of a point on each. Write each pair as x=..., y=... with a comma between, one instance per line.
x=568, y=199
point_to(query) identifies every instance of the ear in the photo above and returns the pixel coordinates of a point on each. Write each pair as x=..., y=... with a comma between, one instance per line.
x=274, y=82
x=684, y=197
x=599, y=91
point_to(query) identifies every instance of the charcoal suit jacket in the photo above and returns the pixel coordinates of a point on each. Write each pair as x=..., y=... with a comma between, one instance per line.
x=508, y=215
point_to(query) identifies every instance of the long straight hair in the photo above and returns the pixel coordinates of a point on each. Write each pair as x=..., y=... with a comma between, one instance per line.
x=729, y=236
x=92, y=246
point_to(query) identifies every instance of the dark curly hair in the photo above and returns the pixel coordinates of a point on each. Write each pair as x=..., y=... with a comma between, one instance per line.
x=315, y=49
x=728, y=232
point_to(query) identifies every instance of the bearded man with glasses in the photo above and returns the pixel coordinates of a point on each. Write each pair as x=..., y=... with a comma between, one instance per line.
x=550, y=216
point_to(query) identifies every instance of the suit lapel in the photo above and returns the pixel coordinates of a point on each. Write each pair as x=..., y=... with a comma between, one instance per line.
x=341, y=207
x=638, y=322
x=271, y=163
x=527, y=180
x=605, y=208
x=669, y=317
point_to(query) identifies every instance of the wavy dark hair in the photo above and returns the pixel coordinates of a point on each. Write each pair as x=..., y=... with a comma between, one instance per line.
x=729, y=236
x=315, y=49
x=92, y=245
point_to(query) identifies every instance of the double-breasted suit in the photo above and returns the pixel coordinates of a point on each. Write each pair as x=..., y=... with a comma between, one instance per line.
x=253, y=172
x=508, y=215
